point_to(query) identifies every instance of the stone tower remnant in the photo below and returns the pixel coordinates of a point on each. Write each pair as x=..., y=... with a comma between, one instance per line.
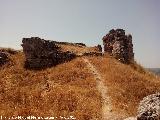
x=119, y=45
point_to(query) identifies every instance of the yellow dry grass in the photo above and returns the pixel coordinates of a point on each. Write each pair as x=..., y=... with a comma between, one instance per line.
x=78, y=50
x=69, y=89
x=127, y=84
x=65, y=90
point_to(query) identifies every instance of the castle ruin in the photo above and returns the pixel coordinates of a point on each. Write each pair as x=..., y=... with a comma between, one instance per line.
x=119, y=45
x=40, y=53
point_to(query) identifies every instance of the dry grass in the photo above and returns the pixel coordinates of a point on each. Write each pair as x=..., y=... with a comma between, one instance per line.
x=69, y=88
x=77, y=49
x=64, y=90
x=127, y=84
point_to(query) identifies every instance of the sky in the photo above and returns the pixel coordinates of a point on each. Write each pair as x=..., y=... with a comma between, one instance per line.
x=84, y=21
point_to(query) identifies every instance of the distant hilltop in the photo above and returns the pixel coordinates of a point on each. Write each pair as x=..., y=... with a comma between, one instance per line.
x=155, y=70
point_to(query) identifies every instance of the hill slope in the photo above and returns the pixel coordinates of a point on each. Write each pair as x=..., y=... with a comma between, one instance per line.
x=65, y=90
x=69, y=89
x=126, y=86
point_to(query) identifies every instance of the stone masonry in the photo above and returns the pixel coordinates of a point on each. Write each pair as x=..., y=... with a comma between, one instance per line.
x=119, y=45
x=40, y=53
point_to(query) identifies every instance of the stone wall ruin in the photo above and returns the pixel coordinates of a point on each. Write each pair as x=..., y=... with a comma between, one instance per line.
x=40, y=53
x=119, y=45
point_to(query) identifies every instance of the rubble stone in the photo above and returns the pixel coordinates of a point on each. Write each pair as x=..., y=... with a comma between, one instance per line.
x=40, y=53
x=119, y=45
x=73, y=44
x=92, y=54
x=3, y=58
x=9, y=51
x=80, y=44
x=99, y=47
x=149, y=108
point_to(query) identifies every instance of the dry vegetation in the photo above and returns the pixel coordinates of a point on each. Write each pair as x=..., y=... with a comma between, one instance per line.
x=127, y=84
x=70, y=89
x=78, y=50
x=64, y=90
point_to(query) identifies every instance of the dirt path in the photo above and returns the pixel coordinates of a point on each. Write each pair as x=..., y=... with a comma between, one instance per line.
x=107, y=108
x=107, y=113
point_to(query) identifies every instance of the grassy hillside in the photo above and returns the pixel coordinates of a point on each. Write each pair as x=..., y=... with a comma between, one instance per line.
x=127, y=84
x=70, y=89
x=64, y=90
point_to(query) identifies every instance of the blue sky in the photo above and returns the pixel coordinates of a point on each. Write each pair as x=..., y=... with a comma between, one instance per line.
x=84, y=21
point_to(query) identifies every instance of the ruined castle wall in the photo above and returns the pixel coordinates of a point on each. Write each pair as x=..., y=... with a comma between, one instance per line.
x=40, y=53
x=119, y=45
